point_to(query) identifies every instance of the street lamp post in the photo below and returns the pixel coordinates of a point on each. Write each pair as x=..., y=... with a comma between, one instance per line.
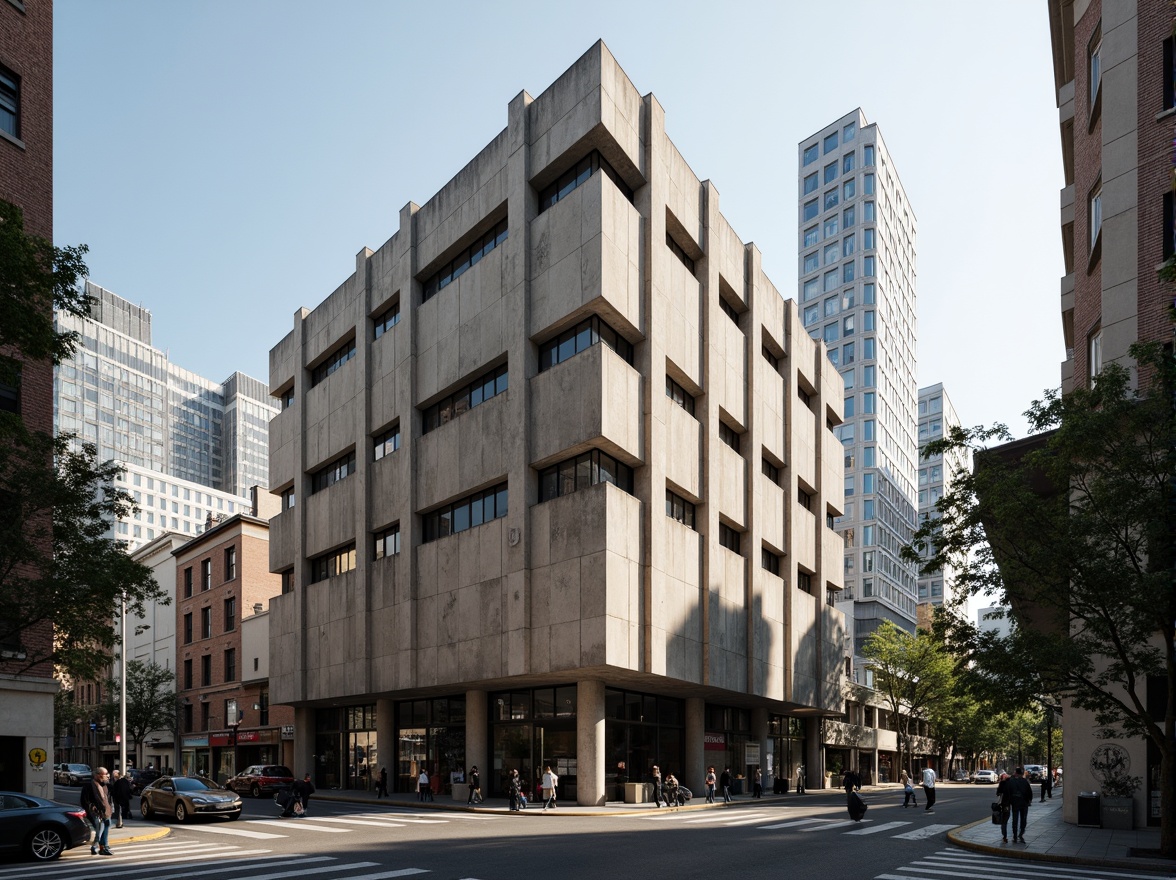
x=122, y=675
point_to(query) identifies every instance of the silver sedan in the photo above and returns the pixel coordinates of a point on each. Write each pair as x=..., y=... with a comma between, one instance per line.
x=187, y=796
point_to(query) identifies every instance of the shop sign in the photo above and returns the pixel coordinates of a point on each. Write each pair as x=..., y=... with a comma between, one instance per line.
x=287, y=731
x=195, y=741
x=714, y=742
x=751, y=753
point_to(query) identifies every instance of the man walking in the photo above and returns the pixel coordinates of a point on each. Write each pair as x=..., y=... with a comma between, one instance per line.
x=120, y=796
x=1021, y=796
x=550, y=782
x=800, y=778
x=710, y=785
x=475, y=787
x=929, y=780
x=1046, y=785
x=725, y=784
x=96, y=803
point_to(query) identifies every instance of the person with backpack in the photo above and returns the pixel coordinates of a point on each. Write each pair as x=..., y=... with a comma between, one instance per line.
x=1020, y=797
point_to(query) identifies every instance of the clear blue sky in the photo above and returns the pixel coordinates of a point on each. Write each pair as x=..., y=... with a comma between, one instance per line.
x=225, y=161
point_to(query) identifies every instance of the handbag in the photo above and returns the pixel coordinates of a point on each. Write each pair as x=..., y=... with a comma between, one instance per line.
x=996, y=813
x=298, y=808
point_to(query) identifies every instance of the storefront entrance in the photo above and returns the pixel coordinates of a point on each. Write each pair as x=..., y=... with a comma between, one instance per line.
x=430, y=735
x=532, y=730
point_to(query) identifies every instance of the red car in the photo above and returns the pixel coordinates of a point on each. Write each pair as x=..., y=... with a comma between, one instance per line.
x=261, y=779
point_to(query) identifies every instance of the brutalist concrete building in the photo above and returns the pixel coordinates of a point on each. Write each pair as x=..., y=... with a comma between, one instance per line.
x=558, y=478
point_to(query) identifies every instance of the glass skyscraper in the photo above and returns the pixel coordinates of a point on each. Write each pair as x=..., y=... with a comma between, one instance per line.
x=857, y=294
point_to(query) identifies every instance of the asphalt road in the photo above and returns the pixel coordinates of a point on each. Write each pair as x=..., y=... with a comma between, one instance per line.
x=812, y=834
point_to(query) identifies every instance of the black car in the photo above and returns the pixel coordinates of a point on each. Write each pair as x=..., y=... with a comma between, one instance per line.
x=39, y=829
x=72, y=774
x=140, y=779
x=1035, y=772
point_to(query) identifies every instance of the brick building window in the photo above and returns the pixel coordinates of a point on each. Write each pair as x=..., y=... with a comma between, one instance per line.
x=188, y=674
x=188, y=582
x=230, y=614
x=206, y=574
x=188, y=628
x=9, y=102
x=230, y=563
x=206, y=623
x=231, y=664
x=187, y=718
x=206, y=670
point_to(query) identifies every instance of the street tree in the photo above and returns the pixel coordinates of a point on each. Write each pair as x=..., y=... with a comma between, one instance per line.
x=59, y=565
x=912, y=673
x=151, y=701
x=1072, y=528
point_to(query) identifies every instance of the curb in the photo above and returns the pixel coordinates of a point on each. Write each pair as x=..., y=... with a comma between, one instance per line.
x=955, y=836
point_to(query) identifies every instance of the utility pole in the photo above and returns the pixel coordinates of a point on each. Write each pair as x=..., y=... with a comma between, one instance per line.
x=122, y=700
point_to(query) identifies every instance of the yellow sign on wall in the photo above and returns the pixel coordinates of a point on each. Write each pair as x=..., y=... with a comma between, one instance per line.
x=38, y=757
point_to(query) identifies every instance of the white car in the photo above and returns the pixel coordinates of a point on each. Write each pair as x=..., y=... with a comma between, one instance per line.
x=985, y=776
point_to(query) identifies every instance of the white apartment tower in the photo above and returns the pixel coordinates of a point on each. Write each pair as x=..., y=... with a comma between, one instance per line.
x=936, y=419
x=857, y=294
x=192, y=447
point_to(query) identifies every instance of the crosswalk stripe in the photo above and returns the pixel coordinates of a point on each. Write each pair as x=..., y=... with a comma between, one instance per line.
x=792, y=824
x=300, y=871
x=386, y=875
x=886, y=826
x=297, y=826
x=235, y=831
x=89, y=866
x=831, y=825
x=728, y=817
x=925, y=832
x=347, y=820
x=230, y=865
x=1000, y=868
x=736, y=822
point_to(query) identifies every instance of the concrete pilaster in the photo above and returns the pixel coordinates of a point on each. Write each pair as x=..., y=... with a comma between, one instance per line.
x=476, y=752
x=386, y=746
x=590, y=743
x=693, y=774
x=303, y=742
x=814, y=765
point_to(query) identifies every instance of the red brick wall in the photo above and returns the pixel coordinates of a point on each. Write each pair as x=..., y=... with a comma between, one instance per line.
x=26, y=180
x=1155, y=169
x=1087, y=168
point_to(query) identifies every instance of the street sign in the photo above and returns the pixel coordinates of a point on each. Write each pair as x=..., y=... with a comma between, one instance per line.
x=37, y=757
x=287, y=731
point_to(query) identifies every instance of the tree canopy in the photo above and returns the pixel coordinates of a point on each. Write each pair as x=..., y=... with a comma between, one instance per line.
x=1072, y=528
x=151, y=700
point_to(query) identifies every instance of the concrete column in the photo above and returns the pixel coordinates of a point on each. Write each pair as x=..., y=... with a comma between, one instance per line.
x=477, y=753
x=590, y=743
x=386, y=745
x=759, y=733
x=303, y=742
x=814, y=765
x=693, y=775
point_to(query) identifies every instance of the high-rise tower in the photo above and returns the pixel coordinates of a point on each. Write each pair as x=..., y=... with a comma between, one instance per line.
x=857, y=293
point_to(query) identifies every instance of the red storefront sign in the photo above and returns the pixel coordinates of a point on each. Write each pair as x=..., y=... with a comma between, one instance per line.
x=714, y=742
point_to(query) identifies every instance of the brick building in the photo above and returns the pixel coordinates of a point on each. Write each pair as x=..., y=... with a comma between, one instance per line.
x=223, y=581
x=26, y=180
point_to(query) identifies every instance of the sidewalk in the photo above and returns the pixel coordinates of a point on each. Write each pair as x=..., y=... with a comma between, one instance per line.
x=1051, y=839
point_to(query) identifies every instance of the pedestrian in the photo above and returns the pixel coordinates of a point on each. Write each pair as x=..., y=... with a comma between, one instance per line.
x=1046, y=785
x=1021, y=796
x=655, y=775
x=120, y=796
x=908, y=789
x=725, y=784
x=671, y=787
x=299, y=797
x=514, y=789
x=851, y=781
x=382, y=783
x=929, y=780
x=475, y=795
x=800, y=778
x=96, y=803
x=1004, y=801
x=710, y=785
x=550, y=783
x=758, y=782
x=423, y=785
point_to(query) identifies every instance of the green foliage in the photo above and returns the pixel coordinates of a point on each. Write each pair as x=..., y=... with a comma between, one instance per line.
x=151, y=700
x=914, y=673
x=1121, y=785
x=35, y=279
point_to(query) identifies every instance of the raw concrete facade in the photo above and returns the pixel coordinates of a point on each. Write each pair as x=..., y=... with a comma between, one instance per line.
x=681, y=618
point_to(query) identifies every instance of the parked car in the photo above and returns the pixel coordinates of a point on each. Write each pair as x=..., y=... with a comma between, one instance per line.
x=140, y=779
x=985, y=776
x=39, y=829
x=187, y=796
x=1034, y=772
x=72, y=774
x=261, y=779
x=961, y=776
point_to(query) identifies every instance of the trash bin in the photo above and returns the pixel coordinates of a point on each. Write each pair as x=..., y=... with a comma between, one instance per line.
x=1088, y=810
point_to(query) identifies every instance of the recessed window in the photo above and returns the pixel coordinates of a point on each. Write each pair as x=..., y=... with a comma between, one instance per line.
x=387, y=542
x=868, y=155
x=847, y=272
x=830, y=172
x=848, y=162
x=849, y=217
x=811, y=182
x=206, y=574
x=287, y=499
x=811, y=236
x=849, y=132
x=206, y=623
x=230, y=563
x=386, y=442
x=230, y=613
x=188, y=628
x=464, y=261
x=589, y=469
x=339, y=469
x=849, y=244
x=831, y=142
x=1095, y=65
x=804, y=396
x=678, y=252
x=728, y=538
x=580, y=337
x=188, y=675
x=729, y=435
x=832, y=253
x=206, y=674
x=804, y=499
x=812, y=262
x=770, y=471
x=769, y=561
x=770, y=357
x=679, y=395
x=332, y=564
x=870, y=214
x=386, y=320
x=337, y=358
x=9, y=102
x=680, y=509
x=849, y=189
x=286, y=398
x=812, y=314
x=869, y=184
x=1095, y=215
x=471, y=511
x=729, y=310
x=831, y=199
x=811, y=288
x=579, y=174
x=1168, y=73
x=811, y=209
x=1094, y=367
x=486, y=386
x=811, y=154
x=804, y=582
x=188, y=583
x=831, y=227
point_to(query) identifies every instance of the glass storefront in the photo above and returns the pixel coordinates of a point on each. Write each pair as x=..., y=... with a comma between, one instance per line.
x=641, y=730
x=345, y=748
x=727, y=741
x=531, y=729
x=430, y=735
x=786, y=751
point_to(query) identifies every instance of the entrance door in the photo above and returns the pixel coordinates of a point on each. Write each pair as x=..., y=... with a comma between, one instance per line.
x=512, y=751
x=555, y=746
x=412, y=757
